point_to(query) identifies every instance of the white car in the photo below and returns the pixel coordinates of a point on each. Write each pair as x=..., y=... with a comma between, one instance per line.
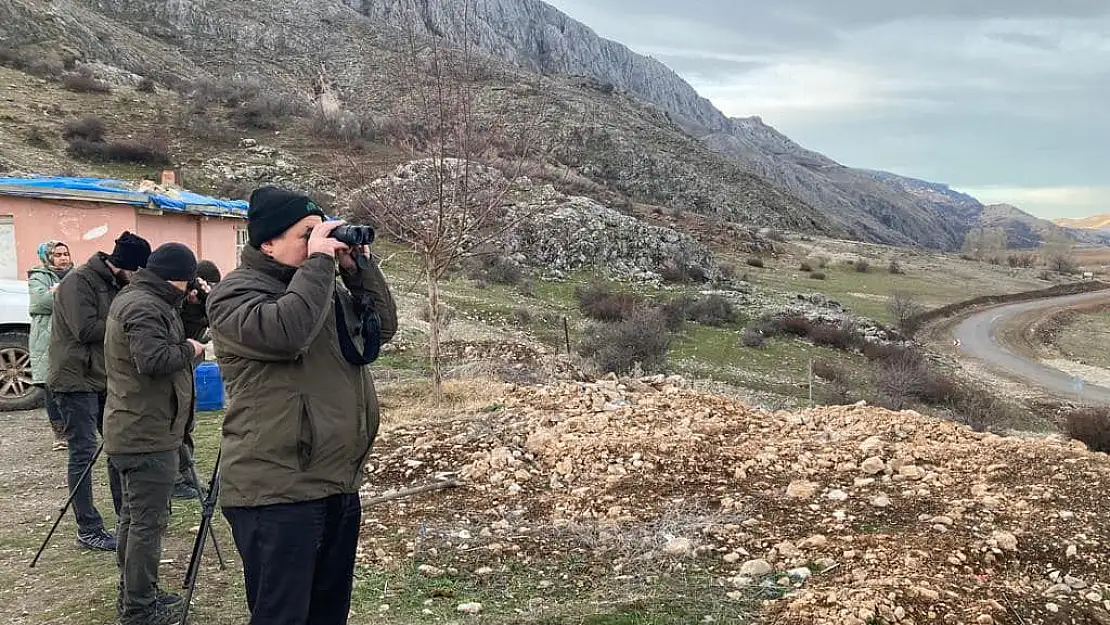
x=16, y=390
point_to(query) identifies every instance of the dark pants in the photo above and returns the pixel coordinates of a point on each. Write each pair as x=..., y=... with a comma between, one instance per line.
x=147, y=481
x=83, y=414
x=57, y=423
x=298, y=559
x=185, y=455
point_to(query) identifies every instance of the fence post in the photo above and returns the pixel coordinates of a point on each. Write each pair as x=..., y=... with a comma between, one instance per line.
x=810, y=382
x=566, y=334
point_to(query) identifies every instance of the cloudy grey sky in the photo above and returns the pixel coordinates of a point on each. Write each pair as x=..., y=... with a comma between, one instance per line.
x=1008, y=100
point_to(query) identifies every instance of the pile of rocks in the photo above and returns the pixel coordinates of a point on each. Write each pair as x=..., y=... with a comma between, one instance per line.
x=259, y=164
x=819, y=309
x=565, y=233
x=847, y=515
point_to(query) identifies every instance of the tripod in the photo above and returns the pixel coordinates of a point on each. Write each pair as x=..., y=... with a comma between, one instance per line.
x=69, y=500
x=208, y=507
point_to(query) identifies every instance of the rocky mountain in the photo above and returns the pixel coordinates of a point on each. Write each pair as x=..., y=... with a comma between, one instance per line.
x=629, y=128
x=258, y=64
x=535, y=35
x=1094, y=222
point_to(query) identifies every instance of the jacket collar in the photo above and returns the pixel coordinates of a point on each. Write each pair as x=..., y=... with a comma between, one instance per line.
x=145, y=280
x=98, y=265
x=56, y=274
x=253, y=258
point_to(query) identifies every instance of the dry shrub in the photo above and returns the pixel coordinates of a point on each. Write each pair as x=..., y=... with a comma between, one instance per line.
x=806, y=266
x=494, y=270
x=755, y=261
x=898, y=378
x=640, y=341
x=267, y=111
x=38, y=137
x=1091, y=426
x=862, y=265
x=1021, y=260
x=714, y=310
x=817, y=275
x=903, y=375
x=878, y=352
x=80, y=83
x=679, y=270
x=87, y=128
x=895, y=267
x=830, y=372
x=146, y=85
x=906, y=311
x=344, y=127
x=795, y=326
x=522, y=316
x=1062, y=263
x=676, y=311
x=840, y=336
x=151, y=152
x=753, y=338
x=600, y=302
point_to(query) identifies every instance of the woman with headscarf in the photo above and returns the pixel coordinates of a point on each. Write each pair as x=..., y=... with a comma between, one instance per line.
x=42, y=280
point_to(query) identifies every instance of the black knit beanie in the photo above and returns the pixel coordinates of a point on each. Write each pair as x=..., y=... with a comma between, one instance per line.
x=273, y=210
x=130, y=253
x=173, y=262
x=208, y=271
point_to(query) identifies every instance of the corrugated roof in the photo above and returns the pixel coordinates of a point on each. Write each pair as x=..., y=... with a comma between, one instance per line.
x=145, y=194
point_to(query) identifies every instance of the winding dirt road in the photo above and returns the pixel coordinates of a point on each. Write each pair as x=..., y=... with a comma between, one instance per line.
x=980, y=336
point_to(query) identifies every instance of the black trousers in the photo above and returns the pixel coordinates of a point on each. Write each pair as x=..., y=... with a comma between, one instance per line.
x=298, y=559
x=84, y=419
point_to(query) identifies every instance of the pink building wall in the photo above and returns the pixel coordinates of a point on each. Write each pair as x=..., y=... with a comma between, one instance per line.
x=89, y=227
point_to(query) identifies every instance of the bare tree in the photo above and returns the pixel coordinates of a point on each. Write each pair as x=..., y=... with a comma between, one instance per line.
x=1059, y=254
x=985, y=243
x=906, y=311
x=447, y=204
x=899, y=380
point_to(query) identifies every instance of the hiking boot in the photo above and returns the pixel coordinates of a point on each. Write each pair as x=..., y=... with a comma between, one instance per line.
x=98, y=539
x=181, y=490
x=167, y=599
x=160, y=615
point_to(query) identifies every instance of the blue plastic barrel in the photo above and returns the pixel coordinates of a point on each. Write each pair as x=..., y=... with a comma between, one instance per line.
x=209, y=387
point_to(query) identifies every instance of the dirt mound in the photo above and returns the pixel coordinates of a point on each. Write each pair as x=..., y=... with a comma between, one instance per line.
x=836, y=515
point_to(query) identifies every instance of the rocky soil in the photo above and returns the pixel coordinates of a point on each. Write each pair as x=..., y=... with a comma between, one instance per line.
x=853, y=515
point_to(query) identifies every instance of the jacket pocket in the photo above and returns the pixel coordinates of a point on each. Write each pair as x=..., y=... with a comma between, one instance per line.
x=306, y=439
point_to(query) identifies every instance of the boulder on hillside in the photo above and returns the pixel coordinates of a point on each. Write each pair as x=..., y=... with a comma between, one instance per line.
x=534, y=225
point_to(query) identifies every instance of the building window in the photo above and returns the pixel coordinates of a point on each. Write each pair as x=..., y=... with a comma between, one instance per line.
x=240, y=243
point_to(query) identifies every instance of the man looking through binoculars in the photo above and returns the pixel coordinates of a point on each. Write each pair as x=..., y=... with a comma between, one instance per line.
x=293, y=340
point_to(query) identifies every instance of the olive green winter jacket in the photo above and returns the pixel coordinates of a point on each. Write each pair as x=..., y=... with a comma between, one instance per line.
x=149, y=366
x=300, y=419
x=81, y=304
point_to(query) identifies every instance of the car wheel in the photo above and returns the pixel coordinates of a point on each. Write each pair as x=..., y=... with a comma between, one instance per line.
x=16, y=390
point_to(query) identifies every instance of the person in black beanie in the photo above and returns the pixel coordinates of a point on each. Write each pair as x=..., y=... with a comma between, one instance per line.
x=149, y=362
x=76, y=371
x=294, y=342
x=196, y=326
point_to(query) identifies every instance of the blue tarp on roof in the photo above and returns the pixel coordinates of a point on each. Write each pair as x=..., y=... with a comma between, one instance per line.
x=120, y=192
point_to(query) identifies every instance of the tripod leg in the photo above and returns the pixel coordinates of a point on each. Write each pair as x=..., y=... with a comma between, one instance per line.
x=206, y=510
x=69, y=500
x=208, y=505
x=219, y=555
